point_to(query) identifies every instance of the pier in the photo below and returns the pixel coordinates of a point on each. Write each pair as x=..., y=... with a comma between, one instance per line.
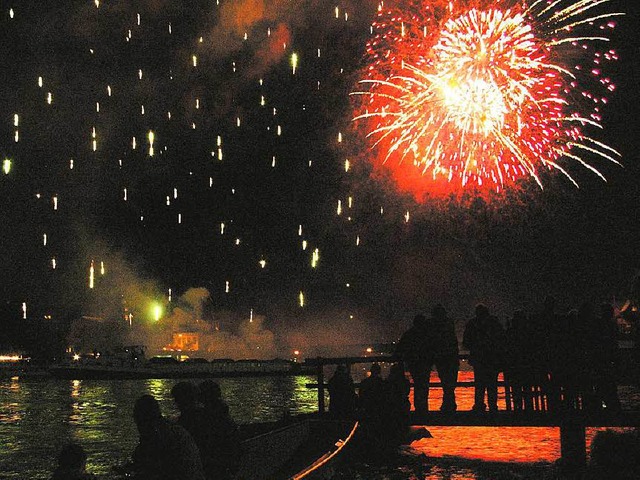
x=571, y=422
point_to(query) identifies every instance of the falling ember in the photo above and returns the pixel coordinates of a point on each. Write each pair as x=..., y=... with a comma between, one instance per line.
x=6, y=166
x=24, y=310
x=480, y=94
x=102, y=268
x=315, y=258
x=294, y=63
x=301, y=298
x=151, y=136
x=91, y=275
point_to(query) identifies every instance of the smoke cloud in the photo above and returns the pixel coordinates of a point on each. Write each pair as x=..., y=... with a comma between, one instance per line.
x=219, y=334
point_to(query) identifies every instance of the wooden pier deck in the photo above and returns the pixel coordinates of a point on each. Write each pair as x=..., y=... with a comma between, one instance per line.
x=572, y=423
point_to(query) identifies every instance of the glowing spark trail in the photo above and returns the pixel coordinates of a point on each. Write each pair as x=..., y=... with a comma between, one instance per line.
x=479, y=94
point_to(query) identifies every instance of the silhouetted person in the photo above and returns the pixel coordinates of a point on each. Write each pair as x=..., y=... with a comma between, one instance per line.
x=417, y=350
x=484, y=338
x=567, y=368
x=185, y=395
x=631, y=313
x=602, y=350
x=371, y=394
x=221, y=455
x=165, y=451
x=518, y=361
x=375, y=417
x=548, y=326
x=399, y=407
x=446, y=358
x=614, y=455
x=72, y=462
x=342, y=395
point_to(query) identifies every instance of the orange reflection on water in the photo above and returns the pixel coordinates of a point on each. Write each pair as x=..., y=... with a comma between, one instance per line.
x=495, y=444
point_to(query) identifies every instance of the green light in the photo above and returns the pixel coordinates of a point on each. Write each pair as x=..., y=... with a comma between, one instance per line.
x=156, y=311
x=6, y=166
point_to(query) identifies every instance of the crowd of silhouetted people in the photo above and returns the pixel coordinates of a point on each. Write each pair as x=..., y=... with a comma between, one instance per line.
x=548, y=360
x=202, y=444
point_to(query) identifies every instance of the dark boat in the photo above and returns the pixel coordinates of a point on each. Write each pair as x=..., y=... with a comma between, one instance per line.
x=130, y=363
x=306, y=448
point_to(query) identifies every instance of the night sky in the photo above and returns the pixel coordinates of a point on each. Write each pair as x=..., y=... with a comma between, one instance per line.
x=249, y=167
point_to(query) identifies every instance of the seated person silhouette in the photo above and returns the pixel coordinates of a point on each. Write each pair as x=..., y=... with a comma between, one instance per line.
x=165, y=451
x=72, y=462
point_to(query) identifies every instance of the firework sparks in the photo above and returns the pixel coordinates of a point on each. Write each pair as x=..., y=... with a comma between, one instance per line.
x=478, y=94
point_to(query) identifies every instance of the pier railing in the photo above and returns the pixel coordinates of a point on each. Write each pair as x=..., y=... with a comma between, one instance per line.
x=572, y=422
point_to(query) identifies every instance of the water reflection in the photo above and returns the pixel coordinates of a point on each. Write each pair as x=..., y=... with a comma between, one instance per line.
x=38, y=416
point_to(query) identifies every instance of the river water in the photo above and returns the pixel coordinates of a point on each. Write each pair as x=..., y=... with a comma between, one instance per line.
x=37, y=416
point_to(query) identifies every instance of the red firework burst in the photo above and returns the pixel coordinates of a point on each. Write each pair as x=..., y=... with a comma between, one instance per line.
x=479, y=94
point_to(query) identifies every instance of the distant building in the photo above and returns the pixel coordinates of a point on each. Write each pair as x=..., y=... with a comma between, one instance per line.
x=184, y=342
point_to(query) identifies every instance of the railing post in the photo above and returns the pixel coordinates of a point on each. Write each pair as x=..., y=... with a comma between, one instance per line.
x=573, y=445
x=320, y=374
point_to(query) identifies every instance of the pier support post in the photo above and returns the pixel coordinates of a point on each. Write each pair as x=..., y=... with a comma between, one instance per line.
x=573, y=445
x=320, y=372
